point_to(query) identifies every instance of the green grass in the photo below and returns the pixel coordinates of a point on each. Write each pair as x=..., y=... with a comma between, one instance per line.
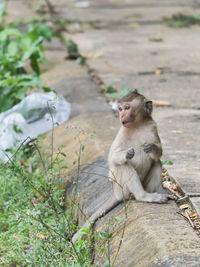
x=35, y=229
x=180, y=20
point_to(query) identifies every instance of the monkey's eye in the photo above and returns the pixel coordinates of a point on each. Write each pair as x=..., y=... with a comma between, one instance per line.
x=120, y=108
x=127, y=107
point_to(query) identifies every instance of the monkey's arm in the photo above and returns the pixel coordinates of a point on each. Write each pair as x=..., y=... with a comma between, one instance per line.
x=153, y=149
x=120, y=157
x=153, y=146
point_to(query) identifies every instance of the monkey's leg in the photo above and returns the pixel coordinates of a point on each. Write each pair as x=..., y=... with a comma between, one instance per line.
x=108, y=205
x=152, y=182
x=136, y=188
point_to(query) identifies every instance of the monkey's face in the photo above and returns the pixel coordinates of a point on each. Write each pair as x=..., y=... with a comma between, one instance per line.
x=135, y=111
x=126, y=114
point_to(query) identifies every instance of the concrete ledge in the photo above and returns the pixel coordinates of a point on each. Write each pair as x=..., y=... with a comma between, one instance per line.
x=155, y=235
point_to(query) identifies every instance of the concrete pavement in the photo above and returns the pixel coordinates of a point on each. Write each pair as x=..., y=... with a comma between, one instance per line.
x=120, y=39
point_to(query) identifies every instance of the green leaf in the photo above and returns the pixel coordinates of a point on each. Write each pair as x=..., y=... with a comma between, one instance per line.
x=12, y=32
x=118, y=219
x=125, y=92
x=12, y=48
x=72, y=48
x=45, y=31
x=20, y=93
x=167, y=162
x=25, y=42
x=40, y=31
x=2, y=10
x=17, y=129
x=108, y=90
x=34, y=62
x=64, y=167
x=122, y=93
x=105, y=234
x=85, y=230
x=113, y=95
x=107, y=264
x=80, y=60
x=46, y=89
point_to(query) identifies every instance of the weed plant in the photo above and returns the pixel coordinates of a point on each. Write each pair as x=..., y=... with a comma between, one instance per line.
x=18, y=50
x=180, y=20
x=35, y=228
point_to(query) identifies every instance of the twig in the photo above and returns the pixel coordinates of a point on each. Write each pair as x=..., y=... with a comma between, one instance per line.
x=182, y=198
x=183, y=215
x=50, y=7
x=189, y=219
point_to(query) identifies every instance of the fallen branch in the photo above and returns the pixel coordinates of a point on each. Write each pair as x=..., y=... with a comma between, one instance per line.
x=189, y=219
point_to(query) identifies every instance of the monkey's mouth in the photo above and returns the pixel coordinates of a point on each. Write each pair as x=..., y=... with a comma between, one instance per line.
x=126, y=123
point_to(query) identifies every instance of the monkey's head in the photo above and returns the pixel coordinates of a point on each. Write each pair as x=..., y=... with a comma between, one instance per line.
x=134, y=108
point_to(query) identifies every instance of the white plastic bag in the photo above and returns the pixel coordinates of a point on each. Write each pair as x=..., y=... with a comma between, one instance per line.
x=31, y=117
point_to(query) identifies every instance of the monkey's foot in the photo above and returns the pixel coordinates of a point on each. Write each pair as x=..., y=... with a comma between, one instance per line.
x=156, y=198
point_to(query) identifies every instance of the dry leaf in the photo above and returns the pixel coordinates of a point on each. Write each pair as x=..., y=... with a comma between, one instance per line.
x=42, y=236
x=134, y=25
x=156, y=39
x=184, y=206
x=158, y=72
x=193, y=214
x=23, y=163
x=93, y=55
x=177, y=131
x=161, y=103
x=34, y=201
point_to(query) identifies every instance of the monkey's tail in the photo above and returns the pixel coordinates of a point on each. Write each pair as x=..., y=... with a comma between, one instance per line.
x=106, y=207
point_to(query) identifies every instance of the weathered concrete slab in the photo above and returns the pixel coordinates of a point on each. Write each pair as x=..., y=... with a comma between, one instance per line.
x=179, y=131
x=93, y=130
x=129, y=59
x=141, y=55
x=166, y=70
x=155, y=235
x=62, y=70
x=179, y=89
x=94, y=187
x=83, y=94
x=108, y=11
x=72, y=81
x=17, y=10
x=196, y=203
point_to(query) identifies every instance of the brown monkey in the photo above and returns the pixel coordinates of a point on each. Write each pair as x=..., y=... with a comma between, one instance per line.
x=134, y=157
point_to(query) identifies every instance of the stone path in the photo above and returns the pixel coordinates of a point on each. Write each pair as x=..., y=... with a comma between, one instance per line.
x=166, y=70
x=118, y=36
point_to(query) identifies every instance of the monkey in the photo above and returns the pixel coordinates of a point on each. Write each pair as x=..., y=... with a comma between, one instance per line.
x=135, y=167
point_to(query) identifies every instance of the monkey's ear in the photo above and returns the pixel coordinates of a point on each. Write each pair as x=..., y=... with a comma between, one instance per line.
x=148, y=106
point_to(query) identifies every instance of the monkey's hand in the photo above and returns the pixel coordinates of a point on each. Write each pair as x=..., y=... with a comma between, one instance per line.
x=130, y=153
x=147, y=148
